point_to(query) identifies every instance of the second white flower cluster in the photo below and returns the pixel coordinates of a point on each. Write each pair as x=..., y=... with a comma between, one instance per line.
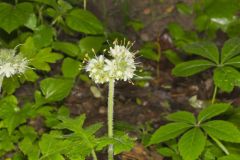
x=120, y=66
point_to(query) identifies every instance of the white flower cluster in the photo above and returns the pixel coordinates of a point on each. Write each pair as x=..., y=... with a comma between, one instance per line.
x=11, y=64
x=120, y=67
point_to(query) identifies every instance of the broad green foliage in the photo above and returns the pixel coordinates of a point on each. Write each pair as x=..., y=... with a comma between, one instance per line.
x=194, y=133
x=70, y=68
x=84, y=21
x=68, y=48
x=169, y=131
x=225, y=64
x=13, y=17
x=148, y=52
x=211, y=16
x=192, y=144
x=55, y=89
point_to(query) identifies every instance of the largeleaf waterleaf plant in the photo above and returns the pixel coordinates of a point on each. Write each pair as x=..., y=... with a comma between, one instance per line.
x=225, y=63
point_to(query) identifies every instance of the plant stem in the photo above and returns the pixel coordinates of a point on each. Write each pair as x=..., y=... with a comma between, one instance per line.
x=110, y=117
x=94, y=155
x=84, y=4
x=214, y=94
x=1, y=80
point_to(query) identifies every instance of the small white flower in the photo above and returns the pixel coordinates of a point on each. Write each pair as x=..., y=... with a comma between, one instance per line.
x=11, y=64
x=120, y=67
x=95, y=68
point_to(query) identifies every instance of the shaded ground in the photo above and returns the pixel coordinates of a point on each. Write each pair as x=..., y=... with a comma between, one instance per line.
x=164, y=94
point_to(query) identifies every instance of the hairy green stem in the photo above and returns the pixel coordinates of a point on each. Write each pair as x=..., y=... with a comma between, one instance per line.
x=1, y=80
x=94, y=155
x=214, y=94
x=110, y=117
x=84, y=4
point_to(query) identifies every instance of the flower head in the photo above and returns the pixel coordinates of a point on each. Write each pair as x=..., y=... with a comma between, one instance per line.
x=120, y=67
x=11, y=64
x=95, y=67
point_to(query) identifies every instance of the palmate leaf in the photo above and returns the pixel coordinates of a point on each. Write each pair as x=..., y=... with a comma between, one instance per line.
x=212, y=111
x=235, y=62
x=205, y=49
x=230, y=49
x=191, y=67
x=222, y=130
x=226, y=78
x=182, y=116
x=191, y=144
x=13, y=17
x=169, y=131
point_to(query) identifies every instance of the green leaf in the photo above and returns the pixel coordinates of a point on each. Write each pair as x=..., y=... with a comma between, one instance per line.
x=173, y=57
x=176, y=31
x=230, y=49
x=70, y=68
x=204, y=49
x=212, y=111
x=52, y=3
x=10, y=84
x=166, y=152
x=189, y=68
x=90, y=43
x=43, y=36
x=29, y=149
x=68, y=48
x=6, y=141
x=12, y=115
x=74, y=125
x=192, y=144
x=52, y=147
x=43, y=57
x=55, y=89
x=148, y=51
x=28, y=49
x=235, y=62
x=84, y=21
x=32, y=22
x=226, y=78
x=122, y=142
x=30, y=75
x=13, y=17
x=169, y=131
x=230, y=157
x=222, y=130
x=182, y=116
x=215, y=10
x=183, y=8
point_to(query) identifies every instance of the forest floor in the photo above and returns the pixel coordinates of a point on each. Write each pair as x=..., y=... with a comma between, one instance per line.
x=163, y=94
